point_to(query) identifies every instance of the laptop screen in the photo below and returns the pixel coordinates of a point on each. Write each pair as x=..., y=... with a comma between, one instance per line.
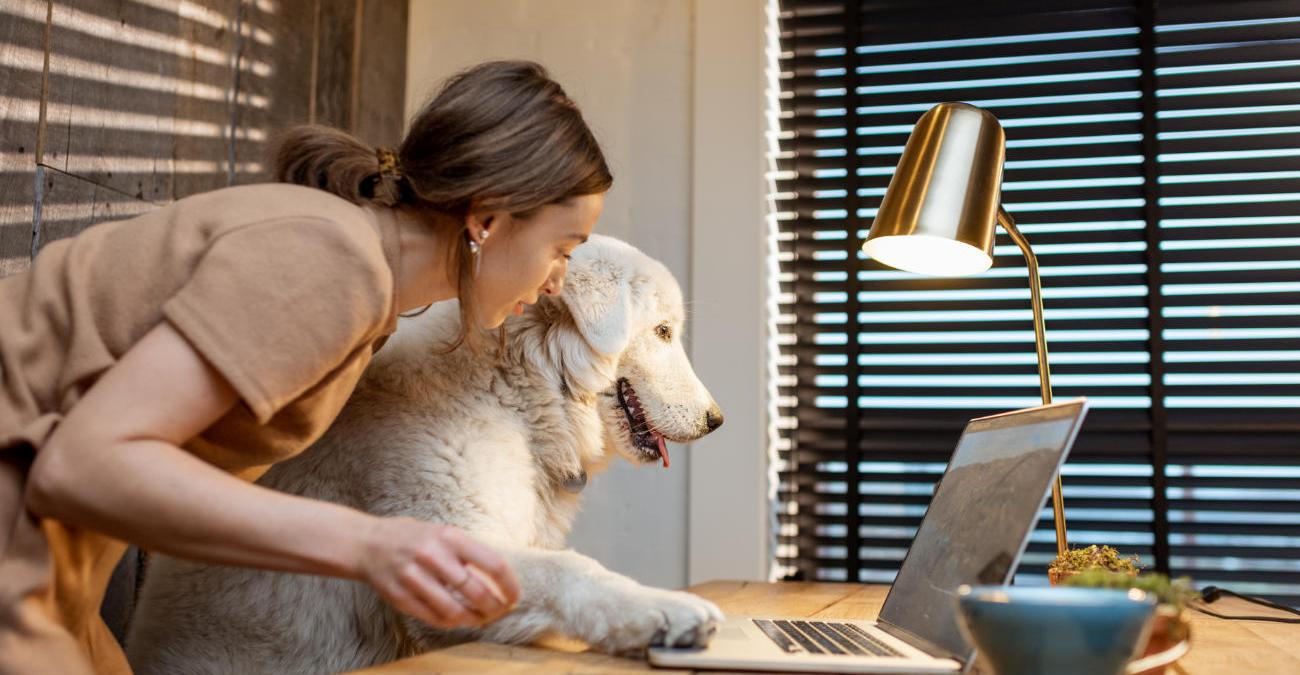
x=979, y=518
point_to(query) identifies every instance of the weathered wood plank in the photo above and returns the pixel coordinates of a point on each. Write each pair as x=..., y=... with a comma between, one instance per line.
x=206, y=168
x=281, y=97
x=381, y=73
x=16, y=204
x=69, y=204
x=138, y=96
x=360, y=91
x=22, y=48
x=335, y=45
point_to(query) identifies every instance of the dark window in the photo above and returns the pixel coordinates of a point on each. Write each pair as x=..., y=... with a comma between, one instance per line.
x=1153, y=160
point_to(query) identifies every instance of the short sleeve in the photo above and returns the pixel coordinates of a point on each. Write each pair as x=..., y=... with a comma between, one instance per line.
x=275, y=306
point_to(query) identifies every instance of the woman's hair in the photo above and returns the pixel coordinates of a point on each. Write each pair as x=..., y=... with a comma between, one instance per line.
x=501, y=135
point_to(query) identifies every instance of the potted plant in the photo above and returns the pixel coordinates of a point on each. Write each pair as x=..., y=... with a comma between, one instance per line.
x=1170, y=625
x=1076, y=561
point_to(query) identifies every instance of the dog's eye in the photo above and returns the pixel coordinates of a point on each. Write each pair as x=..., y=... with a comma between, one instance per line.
x=664, y=331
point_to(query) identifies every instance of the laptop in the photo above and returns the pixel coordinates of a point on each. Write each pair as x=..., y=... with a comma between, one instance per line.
x=974, y=532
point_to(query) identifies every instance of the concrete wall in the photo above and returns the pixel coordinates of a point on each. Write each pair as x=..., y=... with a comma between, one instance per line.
x=629, y=64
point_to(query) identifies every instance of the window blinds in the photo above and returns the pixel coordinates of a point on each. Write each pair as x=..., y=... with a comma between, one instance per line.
x=1153, y=160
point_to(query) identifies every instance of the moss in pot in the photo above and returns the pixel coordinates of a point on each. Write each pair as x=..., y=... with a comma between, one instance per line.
x=1078, y=560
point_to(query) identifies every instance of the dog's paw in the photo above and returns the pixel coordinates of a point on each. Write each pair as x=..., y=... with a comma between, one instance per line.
x=691, y=620
x=648, y=617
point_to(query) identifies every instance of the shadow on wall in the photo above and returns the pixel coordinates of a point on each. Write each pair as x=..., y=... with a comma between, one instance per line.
x=111, y=107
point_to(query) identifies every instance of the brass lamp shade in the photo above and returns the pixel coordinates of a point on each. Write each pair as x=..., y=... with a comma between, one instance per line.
x=940, y=211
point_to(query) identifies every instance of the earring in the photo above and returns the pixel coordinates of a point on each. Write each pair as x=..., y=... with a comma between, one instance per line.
x=474, y=250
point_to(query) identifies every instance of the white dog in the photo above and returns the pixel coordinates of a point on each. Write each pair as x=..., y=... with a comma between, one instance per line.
x=500, y=450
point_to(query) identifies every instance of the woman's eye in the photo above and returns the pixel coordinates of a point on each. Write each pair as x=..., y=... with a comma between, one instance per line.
x=664, y=331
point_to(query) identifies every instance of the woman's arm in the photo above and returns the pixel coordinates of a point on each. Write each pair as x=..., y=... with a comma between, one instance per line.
x=114, y=465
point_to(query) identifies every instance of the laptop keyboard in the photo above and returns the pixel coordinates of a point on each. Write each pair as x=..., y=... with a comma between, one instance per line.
x=824, y=637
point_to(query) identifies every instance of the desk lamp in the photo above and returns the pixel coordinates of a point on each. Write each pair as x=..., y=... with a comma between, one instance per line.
x=939, y=213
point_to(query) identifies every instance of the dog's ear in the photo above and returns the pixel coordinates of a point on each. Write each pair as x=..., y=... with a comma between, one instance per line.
x=600, y=300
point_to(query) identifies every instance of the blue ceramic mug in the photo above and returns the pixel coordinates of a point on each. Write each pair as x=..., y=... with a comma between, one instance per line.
x=1062, y=631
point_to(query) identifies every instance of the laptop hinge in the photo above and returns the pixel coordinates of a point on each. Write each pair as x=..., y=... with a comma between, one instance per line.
x=923, y=644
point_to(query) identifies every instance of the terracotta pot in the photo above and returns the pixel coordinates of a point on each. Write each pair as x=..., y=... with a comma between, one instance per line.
x=1167, y=629
x=1057, y=578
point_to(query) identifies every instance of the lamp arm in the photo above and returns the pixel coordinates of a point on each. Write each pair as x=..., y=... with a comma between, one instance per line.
x=1035, y=299
x=1040, y=344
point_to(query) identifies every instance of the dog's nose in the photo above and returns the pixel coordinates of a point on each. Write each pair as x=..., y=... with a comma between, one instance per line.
x=713, y=418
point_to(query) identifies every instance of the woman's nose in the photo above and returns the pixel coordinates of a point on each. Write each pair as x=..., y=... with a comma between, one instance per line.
x=554, y=285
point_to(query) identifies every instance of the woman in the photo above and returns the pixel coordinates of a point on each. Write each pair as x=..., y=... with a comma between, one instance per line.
x=151, y=364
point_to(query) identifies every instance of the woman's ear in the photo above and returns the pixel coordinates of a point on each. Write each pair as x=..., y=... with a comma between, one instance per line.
x=475, y=226
x=478, y=224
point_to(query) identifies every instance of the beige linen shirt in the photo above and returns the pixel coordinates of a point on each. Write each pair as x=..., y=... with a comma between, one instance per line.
x=284, y=290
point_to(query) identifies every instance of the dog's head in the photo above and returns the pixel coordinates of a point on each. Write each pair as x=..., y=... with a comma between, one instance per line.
x=628, y=309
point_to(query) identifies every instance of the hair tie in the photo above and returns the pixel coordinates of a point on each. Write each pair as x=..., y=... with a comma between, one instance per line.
x=387, y=162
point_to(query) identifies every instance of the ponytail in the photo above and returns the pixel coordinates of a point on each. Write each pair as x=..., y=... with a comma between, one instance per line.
x=339, y=163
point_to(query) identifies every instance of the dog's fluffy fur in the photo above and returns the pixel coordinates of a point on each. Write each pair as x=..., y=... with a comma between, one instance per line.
x=494, y=449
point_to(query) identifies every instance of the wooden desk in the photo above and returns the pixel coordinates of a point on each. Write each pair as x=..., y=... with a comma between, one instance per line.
x=1218, y=647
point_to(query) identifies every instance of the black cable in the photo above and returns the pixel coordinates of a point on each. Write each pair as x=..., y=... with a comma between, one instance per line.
x=1232, y=617
x=1210, y=594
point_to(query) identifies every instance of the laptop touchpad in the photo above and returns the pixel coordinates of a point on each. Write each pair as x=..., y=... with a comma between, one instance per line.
x=730, y=633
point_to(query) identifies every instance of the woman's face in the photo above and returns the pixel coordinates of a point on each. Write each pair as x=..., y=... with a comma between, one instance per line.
x=522, y=259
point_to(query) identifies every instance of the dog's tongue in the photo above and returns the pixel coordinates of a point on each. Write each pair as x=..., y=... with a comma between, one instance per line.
x=663, y=449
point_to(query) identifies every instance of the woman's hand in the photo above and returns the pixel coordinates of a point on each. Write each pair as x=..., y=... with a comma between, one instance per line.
x=437, y=574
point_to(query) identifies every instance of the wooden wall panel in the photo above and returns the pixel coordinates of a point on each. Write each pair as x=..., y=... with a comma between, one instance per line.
x=153, y=100
x=281, y=95
x=16, y=214
x=22, y=51
x=69, y=204
x=138, y=97
x=335, y=42
x=204, y=161
x=381, y=108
